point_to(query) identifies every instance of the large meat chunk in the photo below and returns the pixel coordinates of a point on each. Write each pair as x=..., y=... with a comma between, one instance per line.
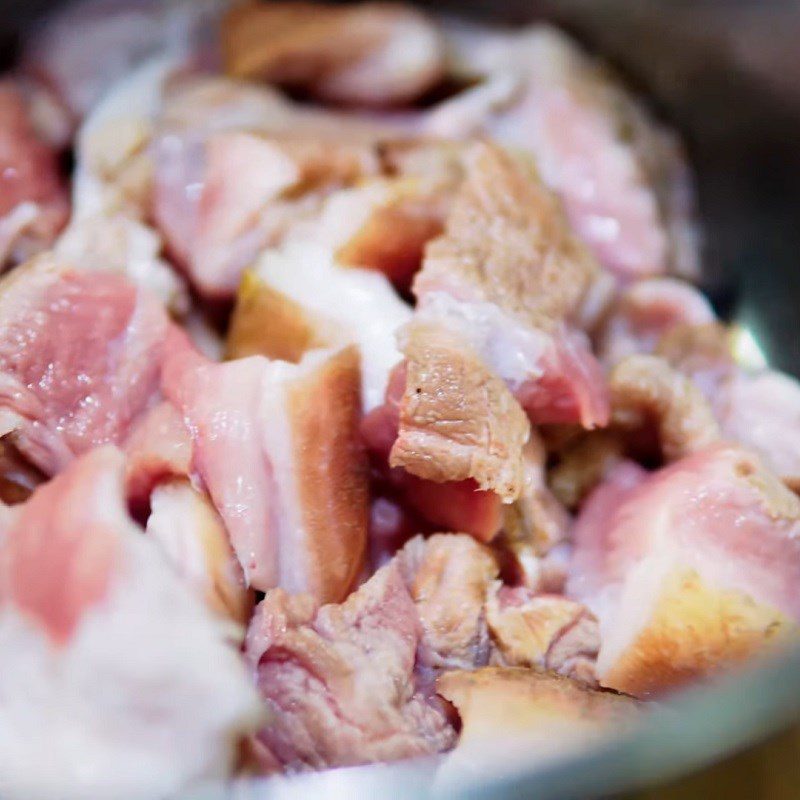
x=373, y=54
x=80, y=358
x=622, y=177
x=339, y=680
x=689, y=569
x=34, y=205
x=277, y=446
x=89, y=611
x=509, y=277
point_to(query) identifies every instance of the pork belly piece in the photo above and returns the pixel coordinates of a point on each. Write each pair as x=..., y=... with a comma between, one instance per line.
x=513, y=716
x=647, y=311
x=449, y=577
x=373, y=54
x=298, y=298
x=646, y=391
x=277, y=446
x=339, y=680
x=80, y=358
x=34, y=205
x=622, y=176
x=192, y=535
x=689, y=570
x=106, y=652
x=509, y=277
x=543, y=632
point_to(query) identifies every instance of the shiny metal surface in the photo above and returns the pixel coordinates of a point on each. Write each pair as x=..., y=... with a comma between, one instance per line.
x=726, y=73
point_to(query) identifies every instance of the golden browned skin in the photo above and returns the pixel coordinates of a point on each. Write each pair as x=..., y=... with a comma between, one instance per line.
x=646, y=389
x=508, y=242
x=331, y=470
x=500, y=703
x=457, y=419
x=331, y=51
x=694, y=628
x=267, y=322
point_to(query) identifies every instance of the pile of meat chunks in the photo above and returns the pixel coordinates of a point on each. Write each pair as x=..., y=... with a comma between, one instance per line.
x=356, y=387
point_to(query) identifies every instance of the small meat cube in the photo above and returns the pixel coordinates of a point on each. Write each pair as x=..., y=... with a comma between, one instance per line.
x=536, y=522
x=90, y=611
x=373, y=54
x=690, y=569
x=452, y=505
x=277, y=445
x=339, y=680
x=237, y=166
x=158, y=449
